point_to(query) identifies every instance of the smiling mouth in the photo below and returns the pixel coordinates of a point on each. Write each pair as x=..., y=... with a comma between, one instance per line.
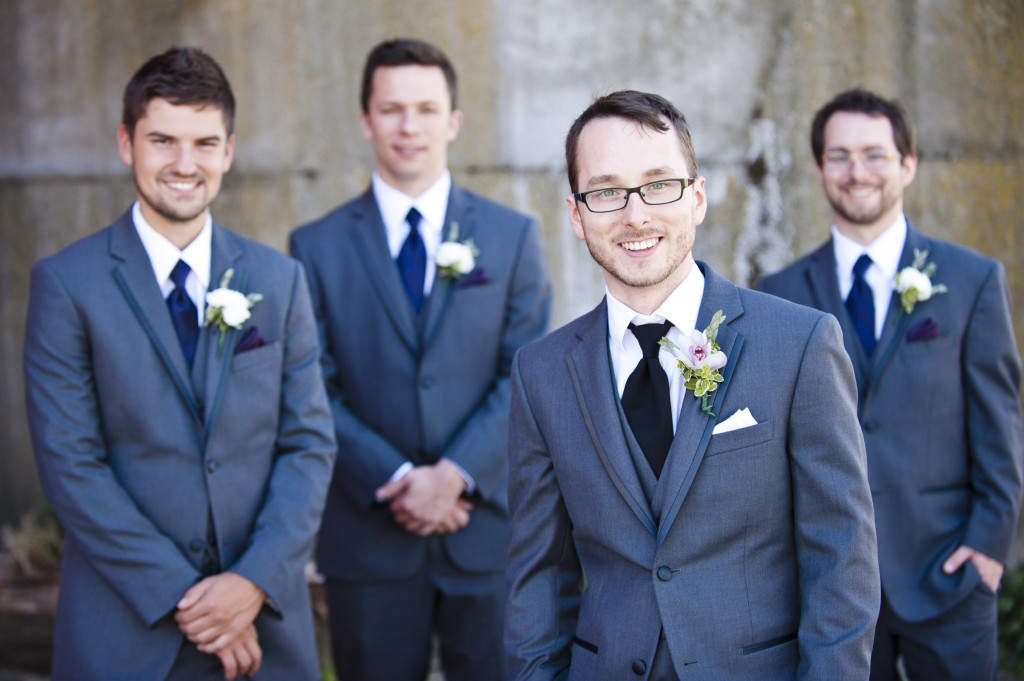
x=183, y=185
x=640, y=245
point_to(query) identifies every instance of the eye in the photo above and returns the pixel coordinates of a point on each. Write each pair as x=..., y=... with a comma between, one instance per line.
x=837, y=157
x=877, y=157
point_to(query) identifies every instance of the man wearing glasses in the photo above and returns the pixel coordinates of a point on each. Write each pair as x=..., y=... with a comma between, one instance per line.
x=927, y=325
x=663, y=529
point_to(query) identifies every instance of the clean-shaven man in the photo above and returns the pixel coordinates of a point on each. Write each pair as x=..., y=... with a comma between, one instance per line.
x=423, y=291
x=181, y=431
x=927, y=325
x=657, y=534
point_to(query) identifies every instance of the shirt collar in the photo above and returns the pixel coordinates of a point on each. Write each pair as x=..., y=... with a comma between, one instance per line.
x=163, y=255
x=885, y=251
x=681, y=308
x=394, y=206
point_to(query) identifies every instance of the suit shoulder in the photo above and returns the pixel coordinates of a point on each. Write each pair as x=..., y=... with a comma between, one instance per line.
x=330, y=222
x=494, y=212
x=760, y=304
x=79, y=256
x=771, y=283
x=554, y=346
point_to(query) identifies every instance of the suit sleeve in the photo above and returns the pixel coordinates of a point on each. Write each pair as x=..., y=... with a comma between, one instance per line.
x=119, y=542
x=992, y=374
x=480, y=445
x=284, y=530
x=543, y=570
x=369, y=458
x=833, y=513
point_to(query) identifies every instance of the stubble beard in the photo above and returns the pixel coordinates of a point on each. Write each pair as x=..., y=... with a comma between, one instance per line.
x=166, y=209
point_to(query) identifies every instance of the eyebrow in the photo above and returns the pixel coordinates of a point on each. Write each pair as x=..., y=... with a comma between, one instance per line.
x=608, y=178
x=165, y=135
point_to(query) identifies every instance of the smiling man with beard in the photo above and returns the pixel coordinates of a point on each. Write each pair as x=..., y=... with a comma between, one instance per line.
x=927, y=325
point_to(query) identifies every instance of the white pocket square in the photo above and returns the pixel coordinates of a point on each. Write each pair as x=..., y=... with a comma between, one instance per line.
x=740, y=419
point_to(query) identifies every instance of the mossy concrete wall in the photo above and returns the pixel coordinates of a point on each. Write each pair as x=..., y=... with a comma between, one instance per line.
x=747, y=74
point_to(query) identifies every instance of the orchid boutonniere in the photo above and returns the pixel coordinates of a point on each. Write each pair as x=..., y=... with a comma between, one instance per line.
x=700, y=360
x=227, y=308
x=454, y=259
x=914, y=283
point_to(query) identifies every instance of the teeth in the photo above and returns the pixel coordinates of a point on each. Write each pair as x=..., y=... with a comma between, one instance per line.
x=183, y=186
x=640, y=245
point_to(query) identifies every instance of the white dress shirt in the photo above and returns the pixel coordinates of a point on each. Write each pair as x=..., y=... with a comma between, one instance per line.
x=681, y=308
x=885, y=253
x=163, y=256
x=432, y=205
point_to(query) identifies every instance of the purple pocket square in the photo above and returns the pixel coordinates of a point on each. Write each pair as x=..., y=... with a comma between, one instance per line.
x=250, y=341
x=477, y=276
x=924, y=331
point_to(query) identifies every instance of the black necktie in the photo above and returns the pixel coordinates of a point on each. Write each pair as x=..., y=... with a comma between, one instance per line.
x=412, y=260
x=183, y=312
x=861, y=305
x=646, y=399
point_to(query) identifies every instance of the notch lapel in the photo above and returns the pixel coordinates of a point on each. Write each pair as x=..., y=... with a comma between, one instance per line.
x=134, y=276
x=370, y=242
x=460, y=211
x=225, y=252
x=591, y=374
x=694, y=427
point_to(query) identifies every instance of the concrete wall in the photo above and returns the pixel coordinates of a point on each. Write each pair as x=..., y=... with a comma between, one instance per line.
x=747, y=74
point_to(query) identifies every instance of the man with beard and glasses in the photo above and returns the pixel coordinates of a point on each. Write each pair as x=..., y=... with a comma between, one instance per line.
x=180, y=425
x=927, y=325
x=656, y=534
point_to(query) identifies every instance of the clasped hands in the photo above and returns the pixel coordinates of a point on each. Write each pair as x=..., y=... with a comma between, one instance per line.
x=217, y=614
x=427, y=499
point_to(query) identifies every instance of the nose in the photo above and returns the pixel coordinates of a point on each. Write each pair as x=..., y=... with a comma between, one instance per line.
x=184, y=161
x=409, y=122
x=635, y=213
x=858, y=168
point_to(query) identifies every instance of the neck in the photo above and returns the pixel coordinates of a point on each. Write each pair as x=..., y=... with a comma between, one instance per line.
x=865, y=235
x=645, y=300
x=412, y=187
x=179, y=232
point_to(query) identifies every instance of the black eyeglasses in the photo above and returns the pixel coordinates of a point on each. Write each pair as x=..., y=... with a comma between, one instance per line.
x=655, y=193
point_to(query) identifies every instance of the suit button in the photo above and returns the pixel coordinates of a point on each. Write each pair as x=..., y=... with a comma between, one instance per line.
x=639, y=667
x=211, y=466
x=665, y=573
x=195, y=546
x=427, y=382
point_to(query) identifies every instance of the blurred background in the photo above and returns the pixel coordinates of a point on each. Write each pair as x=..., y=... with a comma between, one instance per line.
x=747, y=74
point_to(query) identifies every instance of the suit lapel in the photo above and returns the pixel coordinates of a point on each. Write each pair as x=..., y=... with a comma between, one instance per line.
x=134, y=276
x=225, y=251
x=460, y=211
x=370, y=241
x=591, y=374
x=694, y=427
x=896, y=322
x=824, y=286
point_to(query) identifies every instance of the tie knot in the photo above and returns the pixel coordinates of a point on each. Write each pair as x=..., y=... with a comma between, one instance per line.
x=648, y=336
x=413, y=217
x=861, y=266
x=180, y=273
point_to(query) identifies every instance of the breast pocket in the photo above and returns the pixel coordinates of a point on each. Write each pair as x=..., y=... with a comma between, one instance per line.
x=256, y=357
x=740, y=439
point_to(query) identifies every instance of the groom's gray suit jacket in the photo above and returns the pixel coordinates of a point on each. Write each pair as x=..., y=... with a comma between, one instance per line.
x=756, y=554
x=161, y=475
x=939, y=402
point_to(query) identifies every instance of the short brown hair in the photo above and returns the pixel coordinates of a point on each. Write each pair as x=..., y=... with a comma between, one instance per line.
x=181, y=75
x=859, y=100
x=406, y=52
x=646, y=110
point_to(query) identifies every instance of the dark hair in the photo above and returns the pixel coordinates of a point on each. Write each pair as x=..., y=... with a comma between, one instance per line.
x=645, y=109
x=405, y=52
x=859, y=100
x=181, y=75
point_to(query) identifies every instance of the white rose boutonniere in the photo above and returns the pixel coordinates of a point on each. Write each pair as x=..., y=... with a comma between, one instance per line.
x=699, y=361
x=227, y=308
x=914, y=283
x=455, y=259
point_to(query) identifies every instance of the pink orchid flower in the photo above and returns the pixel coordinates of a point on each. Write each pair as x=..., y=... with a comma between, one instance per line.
x=699, y=352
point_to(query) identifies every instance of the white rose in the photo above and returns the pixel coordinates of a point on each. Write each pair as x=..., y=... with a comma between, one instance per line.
x=910, y=278
x=234, y=306
x=458, y=257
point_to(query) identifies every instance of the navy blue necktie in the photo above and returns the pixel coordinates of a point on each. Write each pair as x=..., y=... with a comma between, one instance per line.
x=183, y=312
x=861, y=305
x=646, y=400
x=412, y=261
